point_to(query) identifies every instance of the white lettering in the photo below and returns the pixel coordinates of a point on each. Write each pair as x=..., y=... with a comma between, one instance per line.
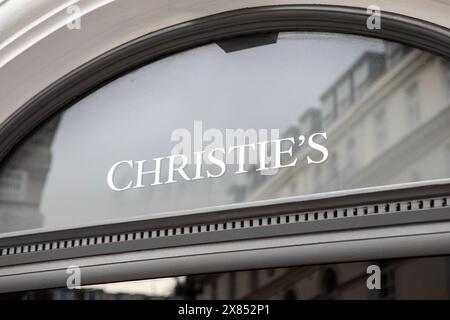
x=180, y=169
x=318, y=147
x=141, y=173
x=279, y=152
x=110, y=178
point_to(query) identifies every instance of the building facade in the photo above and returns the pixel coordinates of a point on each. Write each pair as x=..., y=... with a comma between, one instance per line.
x=114, y=93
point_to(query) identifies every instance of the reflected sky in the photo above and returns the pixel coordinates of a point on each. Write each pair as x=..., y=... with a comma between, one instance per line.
x=133, y=118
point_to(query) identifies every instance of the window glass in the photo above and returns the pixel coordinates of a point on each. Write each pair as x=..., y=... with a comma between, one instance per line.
x=380, y=129
x=351, y=154
x=413, y=104
x=344, y=92
x=214, y=126
x=361, y=74
x=328, y=109
x=360, y=78
x=394, y=53
x=333, y=169
x=396, y=279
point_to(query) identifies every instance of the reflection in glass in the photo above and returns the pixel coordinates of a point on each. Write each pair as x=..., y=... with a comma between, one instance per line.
x=22, y=181
x=383, y=106
x=398, y=279
x=418, y=278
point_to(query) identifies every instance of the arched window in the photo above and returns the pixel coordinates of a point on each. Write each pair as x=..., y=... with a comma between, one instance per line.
x=167, y=136
x=170, y=143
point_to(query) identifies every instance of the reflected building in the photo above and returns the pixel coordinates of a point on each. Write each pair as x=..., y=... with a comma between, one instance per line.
x=386, y=119
x=22, y=180
x=78, y=294
x=425, y=278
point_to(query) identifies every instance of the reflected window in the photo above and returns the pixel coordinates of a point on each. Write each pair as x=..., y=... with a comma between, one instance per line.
x=254, y=280
x=388, y=281
x=395, y=52
x=344, y=95
x=413, y=104
x=351, y=154
x=329, y=284
x=214, y=290
x=333, y=172
x=317, y=178
x=328, y=109
x=232, y=286
x=380, y=129
x=270, y=272
x=361, y=78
